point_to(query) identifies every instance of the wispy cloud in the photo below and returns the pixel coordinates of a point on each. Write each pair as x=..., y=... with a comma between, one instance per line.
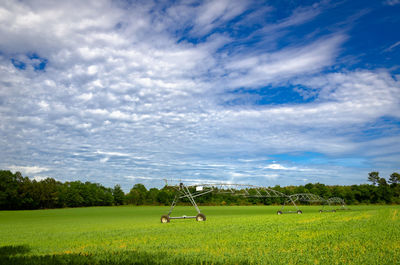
x=111, y=153
x=276, y=67
x=214, y=13
x=391, y=47
x=299, y=16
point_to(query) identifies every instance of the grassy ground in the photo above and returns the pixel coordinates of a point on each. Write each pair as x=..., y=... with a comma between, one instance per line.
x=231, y=235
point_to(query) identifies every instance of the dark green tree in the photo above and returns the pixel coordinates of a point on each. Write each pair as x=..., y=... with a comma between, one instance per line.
x=119, y=195
x=73, y=194
x=9, y=198
x=137, y=194
x=382, y=182
x=106, y=196
x=384, y=193
x=163, y=197
x=18, y=192
x=373, y=177
x=151, y=196
x=394, y=178
x=47, y=193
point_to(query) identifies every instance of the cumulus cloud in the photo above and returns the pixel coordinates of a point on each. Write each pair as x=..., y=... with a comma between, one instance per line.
x=136, y=90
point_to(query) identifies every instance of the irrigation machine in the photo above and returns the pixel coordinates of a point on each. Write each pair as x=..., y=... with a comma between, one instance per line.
x=191, y=192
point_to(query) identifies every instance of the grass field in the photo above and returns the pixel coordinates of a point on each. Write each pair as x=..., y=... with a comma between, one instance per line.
x=231, y=235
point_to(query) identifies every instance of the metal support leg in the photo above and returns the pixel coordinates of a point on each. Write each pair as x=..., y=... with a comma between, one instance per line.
x=173, y=204
x=329, y=207
x=191, y=199
x=283, y=205
x=323, y=207
x=290, y=199
x=183, y=192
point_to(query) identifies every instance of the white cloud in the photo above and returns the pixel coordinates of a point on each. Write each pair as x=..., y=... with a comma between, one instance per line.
x=276, y=166
x=104, y=160
x=119, y=115
x=279, y=66
x=346, y=98
x=236, y=174
x=44, y=105
x=27, y=169
x=111, y=153
x=124, y=95
x=39, y=178
x=213, y=13
x=299, y=16
x=86, y=96
x=271, y=176
x=144, y=178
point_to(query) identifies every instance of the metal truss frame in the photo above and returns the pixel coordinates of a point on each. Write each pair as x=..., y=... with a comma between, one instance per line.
x=334, y=202
x=300, y=197
x=183, y=191
x=243, y=190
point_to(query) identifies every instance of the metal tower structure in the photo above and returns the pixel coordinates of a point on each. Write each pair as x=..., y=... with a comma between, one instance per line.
x=183, y=191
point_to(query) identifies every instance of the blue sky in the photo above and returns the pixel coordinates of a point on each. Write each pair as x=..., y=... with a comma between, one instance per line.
x=256, y=92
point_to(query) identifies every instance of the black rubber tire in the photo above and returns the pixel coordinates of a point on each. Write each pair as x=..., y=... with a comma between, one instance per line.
x=334, y=211
x=165, y=219
x=200, y=217
x=320, y=211
x=299, y=212
x=279, y=212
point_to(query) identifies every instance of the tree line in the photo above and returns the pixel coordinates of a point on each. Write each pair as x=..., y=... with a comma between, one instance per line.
x=18, y=192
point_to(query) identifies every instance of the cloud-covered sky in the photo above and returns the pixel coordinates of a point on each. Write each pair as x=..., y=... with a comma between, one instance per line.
x=257, y=92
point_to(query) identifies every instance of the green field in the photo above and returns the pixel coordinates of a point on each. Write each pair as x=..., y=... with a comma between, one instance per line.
x=231, y=235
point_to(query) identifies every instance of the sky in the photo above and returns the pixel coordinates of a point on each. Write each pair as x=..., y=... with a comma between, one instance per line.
x=257, y=92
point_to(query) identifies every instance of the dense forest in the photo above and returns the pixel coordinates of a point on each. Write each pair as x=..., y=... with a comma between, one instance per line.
x=18, y=192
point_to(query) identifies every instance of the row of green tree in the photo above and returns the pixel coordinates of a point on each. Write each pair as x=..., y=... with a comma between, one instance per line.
x=18, y=192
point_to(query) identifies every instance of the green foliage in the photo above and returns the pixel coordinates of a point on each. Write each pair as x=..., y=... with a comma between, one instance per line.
x=18, y=192
x=394, y=178
x=373, y=177
x=231, y=235
x=137, y=195
x=9, y=196
x=119, y=195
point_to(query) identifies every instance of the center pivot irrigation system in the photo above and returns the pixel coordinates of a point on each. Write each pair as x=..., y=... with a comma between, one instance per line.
x=190, y=192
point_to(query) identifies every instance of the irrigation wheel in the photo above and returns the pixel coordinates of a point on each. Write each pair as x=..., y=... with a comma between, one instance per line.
x=299, y=212
x=279, y=212
x=165, y=219
x=200, y=217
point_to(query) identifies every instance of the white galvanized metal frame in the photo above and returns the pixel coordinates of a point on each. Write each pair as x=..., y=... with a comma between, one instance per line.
x=183, y=191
